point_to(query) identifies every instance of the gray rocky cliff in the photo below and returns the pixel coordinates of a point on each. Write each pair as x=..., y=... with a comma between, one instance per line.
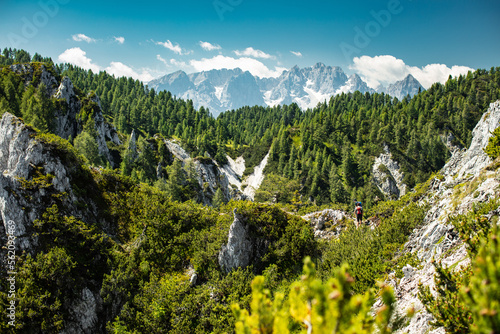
x=65, y=118
x=67, y=123
x=239, y=250
x=36, y=75
x=105, y=132
x=387, y=175
x=462, y=183
x=25, y=159
x=245, y=245
x=209, y=174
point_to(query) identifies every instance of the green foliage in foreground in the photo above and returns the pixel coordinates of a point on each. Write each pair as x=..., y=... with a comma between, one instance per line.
x=314, y=306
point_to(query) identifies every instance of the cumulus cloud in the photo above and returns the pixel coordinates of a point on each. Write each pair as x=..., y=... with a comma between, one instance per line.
x=83, y=38
x=246, y=64
x=119, y=69
x=387, y=69
x=169, y=45
x=432, y=73
x=78, y=57
x=251, y=52
x=209, y=46
x=120, y=40
x=297, y=53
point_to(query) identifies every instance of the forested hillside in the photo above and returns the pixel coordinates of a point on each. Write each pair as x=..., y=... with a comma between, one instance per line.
x=329, y=150
x=135, y=249
x=326, y=153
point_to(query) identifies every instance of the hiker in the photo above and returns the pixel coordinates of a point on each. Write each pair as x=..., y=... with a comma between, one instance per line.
x=358, y=210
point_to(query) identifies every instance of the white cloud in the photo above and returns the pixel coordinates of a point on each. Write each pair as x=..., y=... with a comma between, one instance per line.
x=169, y=45
x=78, y=57
x=83, y=38
x=432, y=73
x=119, y=69
x=387, y=69
x=178, y=63
x=120, y=40
x=160, y=58
x=297, y=53
x=246, y=64
x=209, y=47
x=251, y=52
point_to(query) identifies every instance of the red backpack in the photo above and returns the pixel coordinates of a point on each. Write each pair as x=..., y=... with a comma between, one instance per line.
x=359, y=210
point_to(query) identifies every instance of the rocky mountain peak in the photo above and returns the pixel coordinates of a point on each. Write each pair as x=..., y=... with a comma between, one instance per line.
x=319, y=65
x=408, y=86
x=37, y=74
x=66, y=90
x=304, y=86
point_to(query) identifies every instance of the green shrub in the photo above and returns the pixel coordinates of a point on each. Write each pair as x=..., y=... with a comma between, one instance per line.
x=314, y=306
x=493, y=147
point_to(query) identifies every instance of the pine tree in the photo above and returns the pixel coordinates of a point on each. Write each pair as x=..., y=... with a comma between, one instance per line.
x=219, y=198
x=86, y=145
x=337, y=190
x=348, y=167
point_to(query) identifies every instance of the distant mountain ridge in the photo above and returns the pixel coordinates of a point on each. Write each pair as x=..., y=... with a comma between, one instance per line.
x=407, y=86
x=225, y=89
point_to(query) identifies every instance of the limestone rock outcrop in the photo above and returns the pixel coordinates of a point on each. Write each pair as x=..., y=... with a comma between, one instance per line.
x=239, y=250
x=35, y=174
x=210, y=175
x=327, y=224
x=462, y=182
x=387, y=175
x=67, y=123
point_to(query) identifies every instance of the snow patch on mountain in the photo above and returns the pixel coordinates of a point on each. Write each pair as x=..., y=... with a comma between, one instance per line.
x=255, y=179
x=224, y=89
x=234, y=170
x=269, y=101
x=218, y=92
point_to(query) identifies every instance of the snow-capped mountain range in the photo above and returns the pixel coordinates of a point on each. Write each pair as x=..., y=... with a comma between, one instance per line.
x=226, y=89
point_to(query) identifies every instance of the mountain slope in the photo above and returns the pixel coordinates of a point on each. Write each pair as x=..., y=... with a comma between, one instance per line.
x=437, y=238
x=305, y=86
x=407, y=86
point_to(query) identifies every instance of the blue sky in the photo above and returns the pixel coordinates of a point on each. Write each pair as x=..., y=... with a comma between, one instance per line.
x=382, y=41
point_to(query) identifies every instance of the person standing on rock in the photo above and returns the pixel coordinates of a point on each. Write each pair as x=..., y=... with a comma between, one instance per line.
x=358, y=211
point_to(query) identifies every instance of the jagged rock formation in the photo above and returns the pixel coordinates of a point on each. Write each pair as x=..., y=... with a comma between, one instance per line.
x=26, y=160
x=246, y=245
x=407, y=86
x=225, y=89
x=210, y=175
x=228, y=176
x=132, y=145
x=31, y=74
x=463, y=182
x=67, y=123
x=387, y=175
x=239, y=250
